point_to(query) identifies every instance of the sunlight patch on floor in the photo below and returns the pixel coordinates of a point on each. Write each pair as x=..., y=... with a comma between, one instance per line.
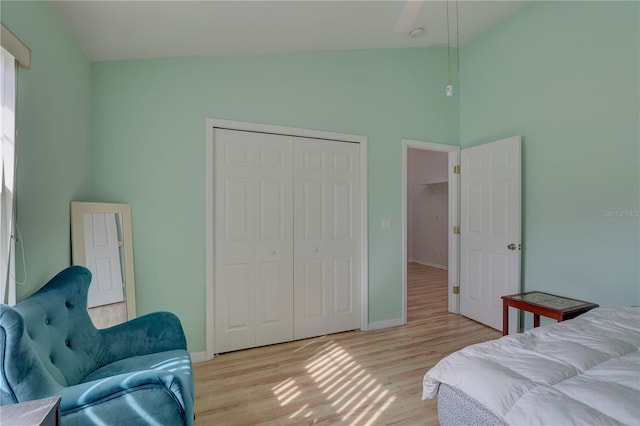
x=353, y=392
x=286, y=391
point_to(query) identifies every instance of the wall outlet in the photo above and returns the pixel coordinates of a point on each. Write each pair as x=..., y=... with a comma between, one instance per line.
x=386, y=224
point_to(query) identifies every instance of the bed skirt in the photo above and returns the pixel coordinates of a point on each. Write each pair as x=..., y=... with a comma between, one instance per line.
x=457, y=408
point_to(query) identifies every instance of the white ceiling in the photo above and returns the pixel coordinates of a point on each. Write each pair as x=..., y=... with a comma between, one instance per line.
x=112, y=30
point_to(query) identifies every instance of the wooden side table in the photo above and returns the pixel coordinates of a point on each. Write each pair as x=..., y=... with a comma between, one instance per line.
x=539, y=303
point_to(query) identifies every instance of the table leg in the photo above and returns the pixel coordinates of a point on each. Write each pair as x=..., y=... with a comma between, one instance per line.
x=505, y=318
x=536, y=320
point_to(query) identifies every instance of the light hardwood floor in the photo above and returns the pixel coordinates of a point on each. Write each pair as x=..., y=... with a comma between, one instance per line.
x=351, y=378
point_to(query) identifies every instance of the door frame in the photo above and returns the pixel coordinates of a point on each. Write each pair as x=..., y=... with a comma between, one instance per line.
x=453, y=219
x=210, y=124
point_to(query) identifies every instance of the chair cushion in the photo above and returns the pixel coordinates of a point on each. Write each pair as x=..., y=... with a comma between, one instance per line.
x=177, y=362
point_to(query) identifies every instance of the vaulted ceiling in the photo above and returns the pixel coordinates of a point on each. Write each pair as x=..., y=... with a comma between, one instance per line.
x=112, y=30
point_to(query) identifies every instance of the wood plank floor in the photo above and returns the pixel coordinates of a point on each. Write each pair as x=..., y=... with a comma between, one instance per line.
x=351, y=378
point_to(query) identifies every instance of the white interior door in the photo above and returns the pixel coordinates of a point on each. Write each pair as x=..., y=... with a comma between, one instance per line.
x=327, y=237
x=102, y=252
x=254, y=239
x=489, y=229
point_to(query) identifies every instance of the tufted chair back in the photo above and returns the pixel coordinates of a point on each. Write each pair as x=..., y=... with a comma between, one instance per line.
x=58, y=346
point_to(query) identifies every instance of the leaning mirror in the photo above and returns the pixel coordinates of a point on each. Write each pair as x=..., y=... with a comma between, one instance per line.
x=101, y=240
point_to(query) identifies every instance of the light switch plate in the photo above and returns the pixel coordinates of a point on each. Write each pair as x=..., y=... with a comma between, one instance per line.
x=386, y=224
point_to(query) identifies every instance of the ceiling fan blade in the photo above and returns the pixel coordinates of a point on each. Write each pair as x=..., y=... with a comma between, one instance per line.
x=408, y=16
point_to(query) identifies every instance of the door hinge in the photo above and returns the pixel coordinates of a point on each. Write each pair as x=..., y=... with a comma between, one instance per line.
x=456, y=289
x=456, y=170
x=456, y=229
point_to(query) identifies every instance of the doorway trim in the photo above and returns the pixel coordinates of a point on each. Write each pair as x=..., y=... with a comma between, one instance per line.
x=454, y=214
x=210, y=124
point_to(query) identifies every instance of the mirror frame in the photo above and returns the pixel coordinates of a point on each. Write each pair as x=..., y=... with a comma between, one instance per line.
x=78, y=209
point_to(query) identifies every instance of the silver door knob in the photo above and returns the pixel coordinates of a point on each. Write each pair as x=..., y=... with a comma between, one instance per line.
x=511, y=246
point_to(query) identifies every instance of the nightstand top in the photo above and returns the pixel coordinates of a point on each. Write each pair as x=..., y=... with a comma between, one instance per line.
x=551, y=301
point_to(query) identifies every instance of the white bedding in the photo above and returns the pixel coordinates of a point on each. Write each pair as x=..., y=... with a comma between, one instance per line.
x=582, y=371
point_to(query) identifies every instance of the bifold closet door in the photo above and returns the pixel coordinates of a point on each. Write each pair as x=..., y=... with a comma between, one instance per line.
x=254, y=239
x=326, y=237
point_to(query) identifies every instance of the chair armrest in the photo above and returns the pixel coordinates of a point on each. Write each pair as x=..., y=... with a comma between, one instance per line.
x=126, y=386
x=155, y=332
x=95, y=391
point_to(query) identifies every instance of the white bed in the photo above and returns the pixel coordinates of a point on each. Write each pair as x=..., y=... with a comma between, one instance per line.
x=584, y=371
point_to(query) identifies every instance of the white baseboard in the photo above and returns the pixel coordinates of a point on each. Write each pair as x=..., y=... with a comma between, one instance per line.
x=198, y=357
x=395, y=322
x=433, y=265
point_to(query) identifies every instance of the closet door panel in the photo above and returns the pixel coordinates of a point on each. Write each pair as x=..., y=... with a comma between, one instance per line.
x=237, y=291
x=344, y=242
x=271, y=197
x=313, y=289
x=253, y=258
x=342, y=211
x=274, y=245
x=326, y=238
x=310, y=270
x=237, y=193
x=235, y=271
x=274, y=310
x=342, y=285
x=311, y=296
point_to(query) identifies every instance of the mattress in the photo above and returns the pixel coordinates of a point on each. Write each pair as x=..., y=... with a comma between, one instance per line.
x=581, y=371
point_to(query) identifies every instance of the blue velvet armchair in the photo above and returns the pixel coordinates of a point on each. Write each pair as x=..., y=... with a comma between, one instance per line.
x=135, y=373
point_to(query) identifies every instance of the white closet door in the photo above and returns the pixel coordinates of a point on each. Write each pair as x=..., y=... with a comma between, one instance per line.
x=326, y=237
x=254, y=239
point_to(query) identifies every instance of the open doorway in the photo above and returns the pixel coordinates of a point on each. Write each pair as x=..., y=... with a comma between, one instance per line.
x=429, y=268
x=427, y=236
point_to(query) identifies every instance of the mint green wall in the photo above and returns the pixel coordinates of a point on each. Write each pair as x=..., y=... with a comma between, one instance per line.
x=564, y=75
x=148, y=142
x=53, y=137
